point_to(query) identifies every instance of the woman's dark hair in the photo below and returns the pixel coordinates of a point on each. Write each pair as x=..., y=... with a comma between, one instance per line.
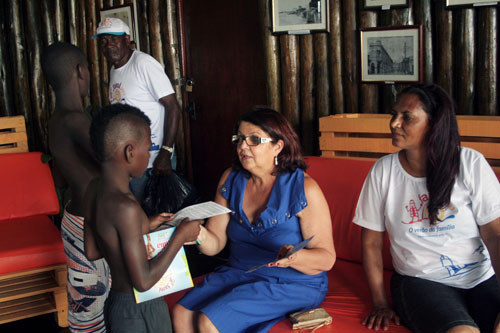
x=278, y=128
x=443, y=144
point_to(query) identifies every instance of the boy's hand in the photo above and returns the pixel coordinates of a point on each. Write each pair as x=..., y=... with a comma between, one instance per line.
x=189, y=230
x=158, y=220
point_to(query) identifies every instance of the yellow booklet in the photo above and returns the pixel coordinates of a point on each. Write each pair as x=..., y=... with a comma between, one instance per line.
x=177, y=277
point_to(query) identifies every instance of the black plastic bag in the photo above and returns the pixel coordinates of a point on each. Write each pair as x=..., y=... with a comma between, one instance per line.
x=168, y=193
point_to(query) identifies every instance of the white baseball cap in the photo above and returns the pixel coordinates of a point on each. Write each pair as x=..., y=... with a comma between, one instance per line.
x=112, y=26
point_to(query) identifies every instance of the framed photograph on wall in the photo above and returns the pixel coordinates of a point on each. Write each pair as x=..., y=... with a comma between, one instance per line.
x=299, y=16
x=391, y=54
x=470, y=3
x=128, y=14
x=384, y=4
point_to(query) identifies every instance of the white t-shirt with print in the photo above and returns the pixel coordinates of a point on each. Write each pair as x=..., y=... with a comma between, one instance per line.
x=141, y=82
x=450, y=252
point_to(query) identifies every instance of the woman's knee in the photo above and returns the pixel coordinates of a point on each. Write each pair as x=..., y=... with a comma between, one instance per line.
x=181, y=315
x=206, y=325
x=463, y=329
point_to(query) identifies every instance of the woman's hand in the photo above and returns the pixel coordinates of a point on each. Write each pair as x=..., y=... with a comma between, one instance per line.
x=380, y=317
x=283, y=260
x=158, y=220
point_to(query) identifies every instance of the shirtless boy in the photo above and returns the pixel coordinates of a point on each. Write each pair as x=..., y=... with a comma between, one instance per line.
x=66, y=70
x=116, y=223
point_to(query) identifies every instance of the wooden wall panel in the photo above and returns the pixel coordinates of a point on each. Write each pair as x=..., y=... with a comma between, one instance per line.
x=351, y=69
x=322, y=76
x=272, y=55
x=307, y=96
x=19, y=63
x=460, y=53
x=336, y=58
x=6, y=100
x=369, y=92
x=423, y=16
x=487, y=87
x=466, y=62
x=444, y=56
x=37, y=88
x=307, y=76
x=290, y=77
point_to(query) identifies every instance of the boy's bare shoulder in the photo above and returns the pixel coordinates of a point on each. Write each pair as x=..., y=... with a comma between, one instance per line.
x=69, y=117
x=121, y=207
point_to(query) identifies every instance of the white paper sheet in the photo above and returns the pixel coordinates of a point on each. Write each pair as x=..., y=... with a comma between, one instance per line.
x=199, y=212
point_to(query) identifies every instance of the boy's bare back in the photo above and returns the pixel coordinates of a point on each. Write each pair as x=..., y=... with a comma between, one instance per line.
x=119, y=235
x=69, y=143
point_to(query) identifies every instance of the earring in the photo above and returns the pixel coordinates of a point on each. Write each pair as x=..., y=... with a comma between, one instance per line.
x=276, y=160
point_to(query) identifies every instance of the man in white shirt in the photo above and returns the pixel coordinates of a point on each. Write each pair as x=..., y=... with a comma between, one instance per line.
x=139, y=80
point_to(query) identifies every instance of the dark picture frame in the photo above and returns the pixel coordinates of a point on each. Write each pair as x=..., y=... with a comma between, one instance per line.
x=470, y=3
x=392, y=54
x=384, y=4
x=128, y=14
x=299, y=16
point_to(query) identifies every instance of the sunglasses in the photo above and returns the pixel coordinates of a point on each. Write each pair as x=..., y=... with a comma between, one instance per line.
x=251, y=140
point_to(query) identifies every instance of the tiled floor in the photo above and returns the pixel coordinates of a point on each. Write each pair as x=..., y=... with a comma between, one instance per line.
x=41, y=324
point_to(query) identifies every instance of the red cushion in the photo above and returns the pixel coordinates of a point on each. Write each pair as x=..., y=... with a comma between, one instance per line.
x=341, y=181
x=27, y=187
x=347, y=300
x=29, y=242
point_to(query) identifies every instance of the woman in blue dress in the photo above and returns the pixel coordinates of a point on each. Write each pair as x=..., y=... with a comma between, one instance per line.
x=275, y=206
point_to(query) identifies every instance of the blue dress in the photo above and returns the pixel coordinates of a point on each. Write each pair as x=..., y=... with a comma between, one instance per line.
x=236, y=301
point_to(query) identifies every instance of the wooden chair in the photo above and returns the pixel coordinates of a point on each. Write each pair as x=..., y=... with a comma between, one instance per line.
x=13, y=138
x=368, y=136
x=32, y=261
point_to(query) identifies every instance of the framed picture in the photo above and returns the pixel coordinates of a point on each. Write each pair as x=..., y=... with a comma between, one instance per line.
x=128, y=14
x=470, y=3
x=299, y=16
x=391, y=54
x=384, y=4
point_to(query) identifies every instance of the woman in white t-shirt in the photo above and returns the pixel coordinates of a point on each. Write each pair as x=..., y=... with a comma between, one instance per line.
x=440, y=205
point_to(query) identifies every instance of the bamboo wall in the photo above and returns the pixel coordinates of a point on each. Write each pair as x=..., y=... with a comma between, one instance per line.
x=28, y=26
x=310, y=76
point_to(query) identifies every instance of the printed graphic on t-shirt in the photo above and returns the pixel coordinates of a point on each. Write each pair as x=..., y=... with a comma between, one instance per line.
x=117, y=93
x=456, y=270
x=416, y=212
x=421, y=213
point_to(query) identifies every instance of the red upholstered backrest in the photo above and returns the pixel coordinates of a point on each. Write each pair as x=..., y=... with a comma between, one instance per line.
x=341, y=181
x=26, y=186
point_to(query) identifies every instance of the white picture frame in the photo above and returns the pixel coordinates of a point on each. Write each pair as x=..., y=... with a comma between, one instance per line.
x=299, y=16
x=392, y=54
x=384, y=4
x=470, y=3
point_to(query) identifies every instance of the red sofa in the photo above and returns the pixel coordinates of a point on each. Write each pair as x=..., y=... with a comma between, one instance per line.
x=348, y=299
x=32, y=260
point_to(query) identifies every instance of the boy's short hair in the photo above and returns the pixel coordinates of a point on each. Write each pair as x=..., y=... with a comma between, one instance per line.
x=58, y=62
x=114, y=124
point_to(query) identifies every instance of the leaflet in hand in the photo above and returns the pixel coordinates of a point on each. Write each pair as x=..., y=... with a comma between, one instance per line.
x=293, y=250
x=199, y=212
x=177, y=277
